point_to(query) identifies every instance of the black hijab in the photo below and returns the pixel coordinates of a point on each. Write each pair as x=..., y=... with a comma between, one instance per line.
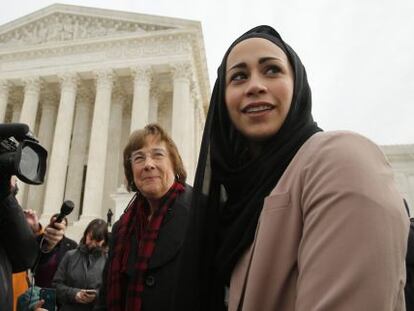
x=230, y=188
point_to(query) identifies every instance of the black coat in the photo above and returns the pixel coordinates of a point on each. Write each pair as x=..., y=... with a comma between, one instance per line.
x=18, y=248
x=162, y=267
x=409, y=286
x=46, y=268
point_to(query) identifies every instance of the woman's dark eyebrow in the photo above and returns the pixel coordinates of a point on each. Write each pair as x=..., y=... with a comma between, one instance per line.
x=261, y=61
x=265, y=59
x=239, y=65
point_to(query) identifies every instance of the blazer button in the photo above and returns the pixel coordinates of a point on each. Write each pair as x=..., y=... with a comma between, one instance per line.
x=150, y=281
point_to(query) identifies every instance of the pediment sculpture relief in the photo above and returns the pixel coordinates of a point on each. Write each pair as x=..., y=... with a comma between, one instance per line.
x=64, y=27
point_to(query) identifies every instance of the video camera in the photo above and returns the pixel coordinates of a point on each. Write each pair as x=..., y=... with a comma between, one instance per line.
x=21, y=155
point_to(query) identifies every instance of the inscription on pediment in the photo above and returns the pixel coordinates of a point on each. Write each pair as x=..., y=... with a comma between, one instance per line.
x=63, y=27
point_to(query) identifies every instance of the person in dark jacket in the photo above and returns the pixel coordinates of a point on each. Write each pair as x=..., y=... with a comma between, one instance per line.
x=18, y=246
x=56, y=246
x=409, y=263
x=79, y=275
x=146, y=241
x=409, y=286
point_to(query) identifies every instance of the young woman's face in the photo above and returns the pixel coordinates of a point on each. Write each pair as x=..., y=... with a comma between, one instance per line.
x=259, y=88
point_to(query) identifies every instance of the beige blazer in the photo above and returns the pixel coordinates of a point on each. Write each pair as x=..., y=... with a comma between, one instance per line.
x=332, y=234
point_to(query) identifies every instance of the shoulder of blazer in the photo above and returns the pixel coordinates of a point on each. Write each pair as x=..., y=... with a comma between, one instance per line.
x=185, y=198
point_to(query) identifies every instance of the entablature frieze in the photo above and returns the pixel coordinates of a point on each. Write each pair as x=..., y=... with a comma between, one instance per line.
x=153, y=48
x=106, y=54
x=145, y=45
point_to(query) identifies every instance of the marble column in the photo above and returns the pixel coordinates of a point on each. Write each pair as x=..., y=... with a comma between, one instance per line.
x=78, y=151
x=16, y=101
x=95, y=174
x=153, y=108
x=30, y=102
x=4, y=96
x=58, y=161
x=140, y=103
x=126, y=125
x=182, y=112
x=114, y=150
x=28, y=116
x=46, y=128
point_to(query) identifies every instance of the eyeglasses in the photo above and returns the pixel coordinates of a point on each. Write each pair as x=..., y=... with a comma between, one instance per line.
x=140, y=157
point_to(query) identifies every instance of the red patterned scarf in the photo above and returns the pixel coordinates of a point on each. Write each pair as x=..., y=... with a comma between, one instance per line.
x=134, y=222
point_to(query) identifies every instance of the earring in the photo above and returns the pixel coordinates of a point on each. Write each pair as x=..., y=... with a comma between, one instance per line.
x=177, y=176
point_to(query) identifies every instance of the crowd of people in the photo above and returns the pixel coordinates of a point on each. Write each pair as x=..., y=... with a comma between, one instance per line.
x=282, y=215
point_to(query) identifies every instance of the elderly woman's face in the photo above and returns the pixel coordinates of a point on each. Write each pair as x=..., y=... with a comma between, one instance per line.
x=259, y=88
x=152, y=169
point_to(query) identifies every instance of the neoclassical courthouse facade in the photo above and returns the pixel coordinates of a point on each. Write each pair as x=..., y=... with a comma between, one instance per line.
x=84, y=78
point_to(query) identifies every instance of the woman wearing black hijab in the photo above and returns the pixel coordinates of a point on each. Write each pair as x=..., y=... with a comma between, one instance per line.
x=285, y=216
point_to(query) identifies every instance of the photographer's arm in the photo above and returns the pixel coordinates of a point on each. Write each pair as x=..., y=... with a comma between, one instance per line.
x=15, y=234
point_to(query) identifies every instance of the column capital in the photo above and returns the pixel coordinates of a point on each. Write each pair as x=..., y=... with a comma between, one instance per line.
x=104, y=78
x=142, y=73
x=4, y=86
x=32, y=84
x=69, y=80
x=181, y=70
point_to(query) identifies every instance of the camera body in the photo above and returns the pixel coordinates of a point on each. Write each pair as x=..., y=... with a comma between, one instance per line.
x=21, y=155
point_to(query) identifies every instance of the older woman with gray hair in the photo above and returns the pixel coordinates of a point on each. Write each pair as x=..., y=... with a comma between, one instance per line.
x=146, y=241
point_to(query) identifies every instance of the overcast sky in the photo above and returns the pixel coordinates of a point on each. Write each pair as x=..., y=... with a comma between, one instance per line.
x=359, y=54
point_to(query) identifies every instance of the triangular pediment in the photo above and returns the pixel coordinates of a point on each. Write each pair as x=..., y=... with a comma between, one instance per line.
x=63, y=23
